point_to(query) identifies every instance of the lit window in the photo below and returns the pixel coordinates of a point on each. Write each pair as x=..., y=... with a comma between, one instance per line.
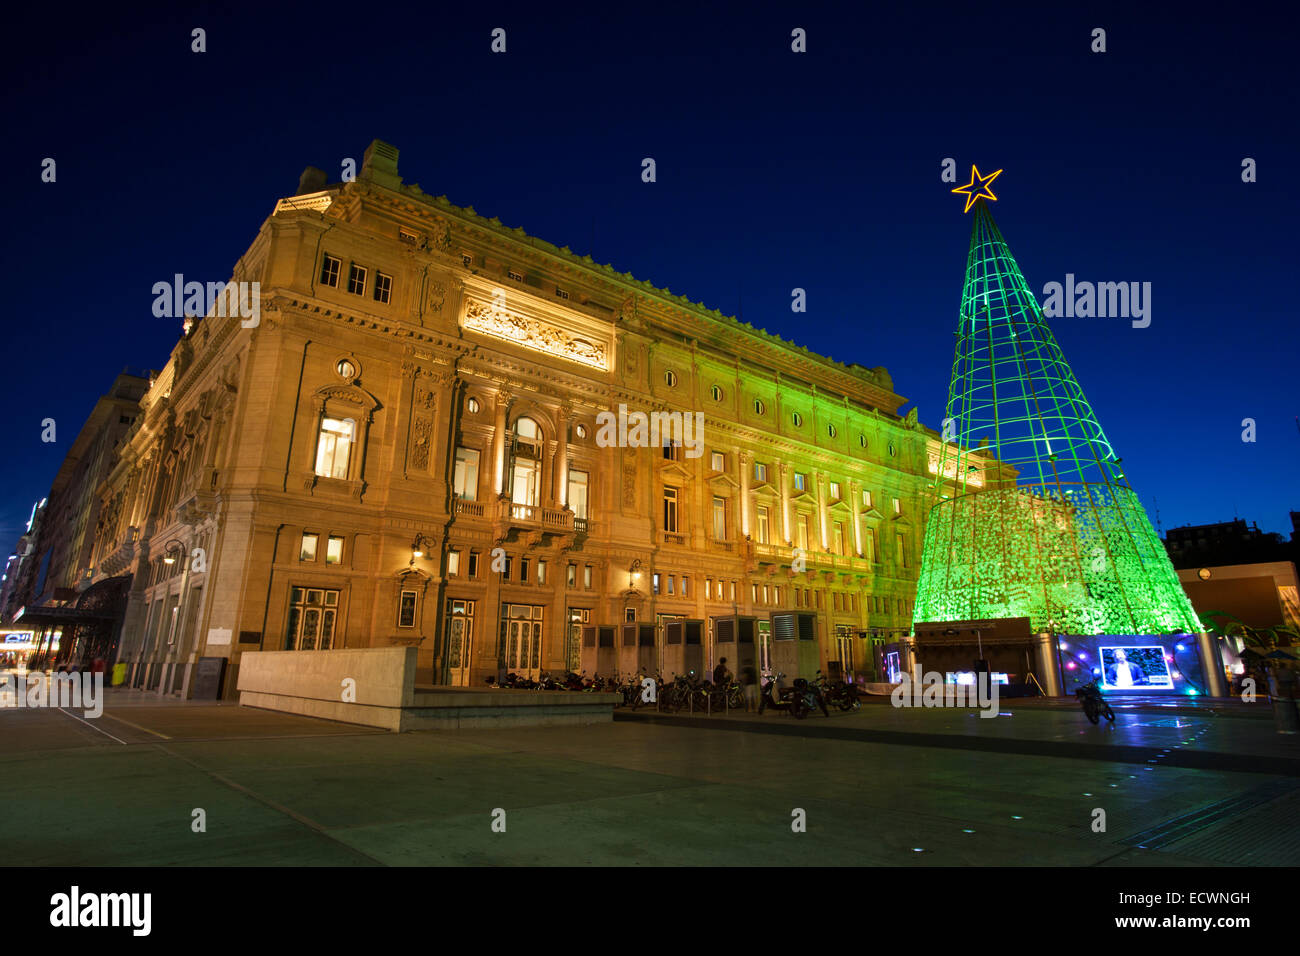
x=718, y=461
x=472, y=406
x=733, y=591
x=329, y=272
x=870, y=540
x=465, y=476
x=708, y=589
x=670, y=584
x=383, y=287
x=835, y=491
x=586, y=576
x=898, y=507
x=334, y=550
x=578, y=494
x=334, y=446
x=580, y=431
x=308, y=552
x=670, y=510
x=719, y=519
x=760, y=471
x=670, y=379
x=541, y=572
x=453, y=562
x=357, y=279
x=656, y=582
x=902, y=550
x=800, y=481
x=866, y=498
x=762, y=525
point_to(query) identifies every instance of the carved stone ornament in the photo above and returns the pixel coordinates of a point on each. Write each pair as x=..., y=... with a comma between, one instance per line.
x=530, y=333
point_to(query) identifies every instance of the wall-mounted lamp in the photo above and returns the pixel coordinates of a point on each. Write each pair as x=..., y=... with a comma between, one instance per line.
x=419, y=547
x=171, y=549
x=634, y=574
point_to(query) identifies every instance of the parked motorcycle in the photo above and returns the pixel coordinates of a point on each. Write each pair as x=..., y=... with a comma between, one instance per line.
x=838, y=693
x=1094, y=705
x=793, y=699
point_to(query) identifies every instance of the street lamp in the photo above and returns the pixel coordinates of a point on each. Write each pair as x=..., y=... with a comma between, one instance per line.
x=171, y=549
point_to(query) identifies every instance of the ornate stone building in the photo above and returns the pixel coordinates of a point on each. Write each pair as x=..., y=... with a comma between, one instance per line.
x=405, y=447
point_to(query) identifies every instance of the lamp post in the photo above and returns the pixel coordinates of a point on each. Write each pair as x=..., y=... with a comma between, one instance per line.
x=173, y=549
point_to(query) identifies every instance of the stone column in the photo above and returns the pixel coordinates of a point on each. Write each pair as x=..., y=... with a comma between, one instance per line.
x=499, y=444
x=561, y=471
x=746, y=463
x=857, y=521
x=819, y=482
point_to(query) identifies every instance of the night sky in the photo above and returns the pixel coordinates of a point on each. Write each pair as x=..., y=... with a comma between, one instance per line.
x=775, y=170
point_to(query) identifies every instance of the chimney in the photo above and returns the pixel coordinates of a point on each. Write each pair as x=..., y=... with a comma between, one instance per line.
x=379, y=164
x=312, y=180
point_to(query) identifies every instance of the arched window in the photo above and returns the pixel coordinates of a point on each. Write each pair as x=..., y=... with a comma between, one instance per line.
x=525, y=472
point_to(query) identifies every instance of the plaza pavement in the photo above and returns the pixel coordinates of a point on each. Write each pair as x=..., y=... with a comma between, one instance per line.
x=1190, y=785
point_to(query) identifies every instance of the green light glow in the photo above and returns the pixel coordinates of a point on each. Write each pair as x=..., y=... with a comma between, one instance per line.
x=1054, y=532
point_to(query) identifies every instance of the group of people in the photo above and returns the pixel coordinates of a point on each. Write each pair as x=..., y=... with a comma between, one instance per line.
x=748, y=680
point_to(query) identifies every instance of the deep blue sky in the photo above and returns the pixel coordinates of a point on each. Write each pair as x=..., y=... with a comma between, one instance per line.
x=775, y=170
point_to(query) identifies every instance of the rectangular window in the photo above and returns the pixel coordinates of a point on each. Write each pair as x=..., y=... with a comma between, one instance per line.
x=762, y=525
x=902, y=549
x=334, y=550
x=801, y=531
x=839, y=538
x=873, y=554
x=766, y=594
x=708, y=589
x=673, y=451
x=670, y=510
x=523, y=570
x=835, y=491
x=733, y=592
x=383, y=287
x=508, y=565
x=334, y=446
x=571, y=577
x=406, y=610
x=685, y=586
x=453, y=563
x=656, y=582
x=541, y=572
x=473, y=564
x=357, y=279
x=308, y=552
x=578, y=494
x=866, y=498
x=719, y=519
x=329, y=272
x=465, y=477
x=800, y=481
x=670, y=584
x=753, y=593
x=718, y=461
x=898, y=507
x=516, y=276
x=561, y=293
x=776, y=596
x=760, y=471
x=586, y=576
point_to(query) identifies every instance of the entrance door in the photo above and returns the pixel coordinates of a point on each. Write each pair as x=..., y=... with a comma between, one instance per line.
x=844, y=650
x=765, y=647
x=522, y=627
x=460, y=642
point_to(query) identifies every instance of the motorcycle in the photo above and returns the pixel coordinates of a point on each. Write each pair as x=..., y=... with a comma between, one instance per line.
x=840, y=693
x=799, y=699
x=1094, y=705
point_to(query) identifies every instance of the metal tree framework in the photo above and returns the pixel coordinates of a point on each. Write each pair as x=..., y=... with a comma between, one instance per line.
x=1051, y=529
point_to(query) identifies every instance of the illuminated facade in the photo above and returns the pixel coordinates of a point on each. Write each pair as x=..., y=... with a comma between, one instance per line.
x=405, y=449
x=1057, y=535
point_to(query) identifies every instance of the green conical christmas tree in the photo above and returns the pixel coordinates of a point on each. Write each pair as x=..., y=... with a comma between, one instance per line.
x=1033, y=515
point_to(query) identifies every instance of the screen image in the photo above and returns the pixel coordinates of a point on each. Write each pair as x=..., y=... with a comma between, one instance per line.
x=1135, y=668
x=891, y=666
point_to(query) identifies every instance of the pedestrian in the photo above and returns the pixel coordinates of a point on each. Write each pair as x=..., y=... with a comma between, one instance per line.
x=720, y=673
x=749, y=680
